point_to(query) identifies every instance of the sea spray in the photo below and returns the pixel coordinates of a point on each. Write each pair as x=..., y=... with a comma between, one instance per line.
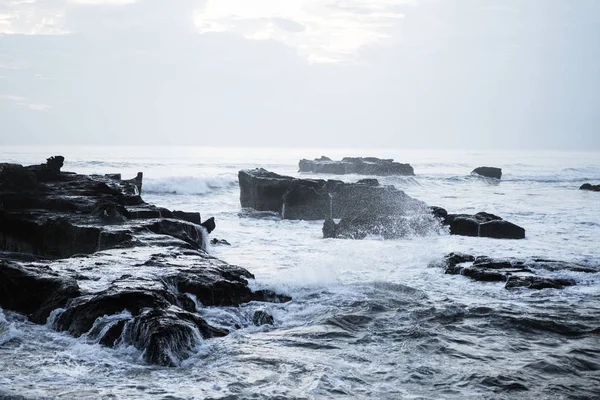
x=8, y=331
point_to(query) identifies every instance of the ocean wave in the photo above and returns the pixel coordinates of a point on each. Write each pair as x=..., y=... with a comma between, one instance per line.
x=8, y=331
x=188, y=185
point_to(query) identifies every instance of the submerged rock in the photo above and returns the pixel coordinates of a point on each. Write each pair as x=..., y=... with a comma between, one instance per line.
x=516, y=273
x=589, y=186
x=261, y=317
x=488, y=172
x=355, y=165
x=314, y=199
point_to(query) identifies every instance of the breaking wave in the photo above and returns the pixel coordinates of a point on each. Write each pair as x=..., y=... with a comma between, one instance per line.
x=188, y=185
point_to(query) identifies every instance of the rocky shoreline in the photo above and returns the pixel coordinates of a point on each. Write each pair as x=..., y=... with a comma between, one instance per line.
x=59, y=234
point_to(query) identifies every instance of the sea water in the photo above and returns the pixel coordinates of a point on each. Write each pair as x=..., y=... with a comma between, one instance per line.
x=369, y=318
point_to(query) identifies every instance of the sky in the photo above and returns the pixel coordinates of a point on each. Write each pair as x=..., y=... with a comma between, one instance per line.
x=475, y=74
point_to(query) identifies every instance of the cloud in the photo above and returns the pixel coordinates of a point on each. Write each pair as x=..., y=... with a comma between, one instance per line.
x=320, y=31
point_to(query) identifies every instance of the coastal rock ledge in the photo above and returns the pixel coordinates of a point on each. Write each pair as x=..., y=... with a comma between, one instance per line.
x=355, y=165
x=86, y=255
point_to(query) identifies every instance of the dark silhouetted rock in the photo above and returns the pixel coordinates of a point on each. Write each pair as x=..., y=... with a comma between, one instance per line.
x=34, y=291
x=311, y=199
x=193, y=217
x=168, y=336
x=481, y=224
x=216, y=241
x=355, y=165
x=589, y=186
x=261, y=317
x=488, y=172
x=47, y=215
x=517, y=273
x=209, y=224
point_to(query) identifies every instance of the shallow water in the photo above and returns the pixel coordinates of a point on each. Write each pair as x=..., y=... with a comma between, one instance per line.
x=369, y=319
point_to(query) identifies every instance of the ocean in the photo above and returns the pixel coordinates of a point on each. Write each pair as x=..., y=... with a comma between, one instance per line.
x=369, y=319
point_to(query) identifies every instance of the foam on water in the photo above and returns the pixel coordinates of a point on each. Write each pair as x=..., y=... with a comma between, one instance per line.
x=188, y=185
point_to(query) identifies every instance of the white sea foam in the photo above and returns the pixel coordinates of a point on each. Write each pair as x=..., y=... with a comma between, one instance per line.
x=8, y=330
x=187, y=185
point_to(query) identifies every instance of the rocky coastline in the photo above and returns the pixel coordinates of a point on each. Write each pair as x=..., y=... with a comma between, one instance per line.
x=59, y=234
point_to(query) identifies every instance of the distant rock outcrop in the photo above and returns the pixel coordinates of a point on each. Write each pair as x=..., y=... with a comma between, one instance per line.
x=355, y=165
x=488, y=172
x=589, y=186
x=313, y=199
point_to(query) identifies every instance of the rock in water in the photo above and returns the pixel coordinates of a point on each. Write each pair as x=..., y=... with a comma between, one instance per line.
x=313, y=199
x=47, y=215
x=33, y=290
x=516, y=273
x=481, y=224
x=488, y=172
x=355, y=165
x=589, y=186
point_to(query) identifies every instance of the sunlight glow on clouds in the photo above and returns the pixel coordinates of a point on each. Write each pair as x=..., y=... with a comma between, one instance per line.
x=321, y=31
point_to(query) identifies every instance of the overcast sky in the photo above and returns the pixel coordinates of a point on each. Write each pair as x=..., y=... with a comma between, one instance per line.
x=309, y=73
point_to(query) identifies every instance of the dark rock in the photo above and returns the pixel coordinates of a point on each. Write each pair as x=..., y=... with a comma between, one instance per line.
x=216, y=241
x=439, y=212
x=329, y=228
x=355, y=165
x=303, y=202
x=183, y=230
x=537, y=282
x=263, y=190
x=113, y=335
x=488, y=172
x=318, y=199
x=209, y=224
x=193, y=217
x=34, y=291
x=515, y=272
x=226, y=285
x=168, y=336
x=501, y=230
x=481, y=224
x=589, y=186
x=47, y=215
x=262, y=317
x=81, y=315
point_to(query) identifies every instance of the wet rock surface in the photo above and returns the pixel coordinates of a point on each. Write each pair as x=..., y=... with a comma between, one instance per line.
x=589, y=186
x=514, y=273
x=481, y=224
x=63, y=236
x=314, y=199
x=488, y=172
x=355, y=165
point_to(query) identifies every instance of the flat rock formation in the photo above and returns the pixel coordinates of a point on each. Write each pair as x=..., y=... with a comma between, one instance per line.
x=355, y=165
x=64, y=238
x=488, y=172
x=314, y=199
x=481, y=224
x=589, y=186
x=514, y=273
